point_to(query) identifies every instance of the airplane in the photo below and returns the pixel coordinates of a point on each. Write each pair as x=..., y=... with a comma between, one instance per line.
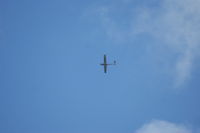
x=105, y=64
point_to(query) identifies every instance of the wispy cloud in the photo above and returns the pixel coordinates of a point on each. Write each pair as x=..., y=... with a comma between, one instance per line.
x=174, y=23
x=158, y=126
x=177, y=24
x=114, y=31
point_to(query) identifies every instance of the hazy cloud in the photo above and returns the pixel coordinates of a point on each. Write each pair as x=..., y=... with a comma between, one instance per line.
x=174, y=23
x=177, y=23
x=157, y=126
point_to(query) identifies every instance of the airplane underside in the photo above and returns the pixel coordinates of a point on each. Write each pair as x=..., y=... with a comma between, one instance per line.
x=105, y=64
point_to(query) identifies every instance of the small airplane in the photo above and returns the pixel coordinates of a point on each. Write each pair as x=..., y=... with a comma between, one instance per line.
x=105, y=64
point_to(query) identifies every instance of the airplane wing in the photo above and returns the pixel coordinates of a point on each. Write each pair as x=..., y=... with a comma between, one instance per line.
x=105, y=68
x=105, y=59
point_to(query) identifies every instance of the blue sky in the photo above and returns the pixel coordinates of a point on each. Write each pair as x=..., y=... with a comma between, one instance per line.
x=51, y=80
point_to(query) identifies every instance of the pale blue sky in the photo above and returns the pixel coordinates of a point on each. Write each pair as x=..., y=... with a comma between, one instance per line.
x=51, y=80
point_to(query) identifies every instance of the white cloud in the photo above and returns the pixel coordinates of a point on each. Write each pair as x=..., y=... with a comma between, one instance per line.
x=175, y=24
x=157, y=126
